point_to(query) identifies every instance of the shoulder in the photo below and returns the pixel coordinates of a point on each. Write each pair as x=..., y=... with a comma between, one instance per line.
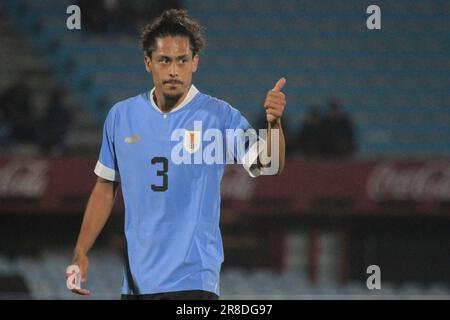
x=125, y=106
x=216, y=105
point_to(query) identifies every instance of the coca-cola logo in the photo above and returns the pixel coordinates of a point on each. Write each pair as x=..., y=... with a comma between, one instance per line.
x=23, y=178
x=429, y=181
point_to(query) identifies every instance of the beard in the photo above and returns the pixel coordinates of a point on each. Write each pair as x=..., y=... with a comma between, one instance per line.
x=172, y=97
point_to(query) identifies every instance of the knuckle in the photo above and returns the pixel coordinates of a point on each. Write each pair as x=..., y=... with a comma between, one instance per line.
x=277, y=94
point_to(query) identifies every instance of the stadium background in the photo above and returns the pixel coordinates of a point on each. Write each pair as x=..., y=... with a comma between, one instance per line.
x=310, y=233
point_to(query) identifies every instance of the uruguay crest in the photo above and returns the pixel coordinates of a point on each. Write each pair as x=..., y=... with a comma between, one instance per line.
x=192, y=141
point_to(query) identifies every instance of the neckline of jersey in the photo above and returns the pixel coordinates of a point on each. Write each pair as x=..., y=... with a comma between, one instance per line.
x=192, y=93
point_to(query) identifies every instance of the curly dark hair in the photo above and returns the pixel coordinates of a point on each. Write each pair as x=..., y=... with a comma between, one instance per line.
x=173, y=22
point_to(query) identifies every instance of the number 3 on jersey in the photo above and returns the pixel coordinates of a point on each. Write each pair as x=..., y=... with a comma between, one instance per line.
x=161, y=173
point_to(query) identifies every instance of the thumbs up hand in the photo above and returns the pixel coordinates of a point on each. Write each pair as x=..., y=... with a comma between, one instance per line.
x=275, y=102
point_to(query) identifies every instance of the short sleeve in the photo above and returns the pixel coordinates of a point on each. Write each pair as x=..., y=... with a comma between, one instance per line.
x=242, y=141
x=106, y=166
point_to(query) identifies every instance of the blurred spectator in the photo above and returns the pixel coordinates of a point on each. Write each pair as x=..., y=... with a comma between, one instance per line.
x=17, y=114
x=339, y=138
x=55, y=125
x=311, y=134
x=114, y=19
x=105, y=16
x=5, y=119
x=92, y=15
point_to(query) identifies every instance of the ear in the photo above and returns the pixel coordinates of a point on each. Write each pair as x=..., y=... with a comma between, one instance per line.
x=195, y=62
x=148, y=64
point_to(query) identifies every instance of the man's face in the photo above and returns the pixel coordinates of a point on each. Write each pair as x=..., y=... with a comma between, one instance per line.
x=172, y=65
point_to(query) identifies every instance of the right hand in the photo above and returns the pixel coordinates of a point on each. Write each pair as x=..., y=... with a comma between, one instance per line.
x=82, y=262
x=275, y=102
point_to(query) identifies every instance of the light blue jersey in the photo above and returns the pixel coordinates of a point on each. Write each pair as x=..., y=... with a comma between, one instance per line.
x=171, y=210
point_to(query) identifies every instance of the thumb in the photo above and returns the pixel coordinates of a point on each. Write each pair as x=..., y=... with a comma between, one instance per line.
x=280, y=84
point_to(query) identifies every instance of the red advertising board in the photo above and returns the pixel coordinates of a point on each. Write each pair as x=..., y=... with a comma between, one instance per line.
x=46, y=185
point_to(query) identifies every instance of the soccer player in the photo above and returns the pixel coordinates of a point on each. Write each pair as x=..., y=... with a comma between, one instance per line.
x=173, y=241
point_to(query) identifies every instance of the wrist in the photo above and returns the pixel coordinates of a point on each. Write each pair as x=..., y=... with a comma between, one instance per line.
x=275, y=122
x=79, y=253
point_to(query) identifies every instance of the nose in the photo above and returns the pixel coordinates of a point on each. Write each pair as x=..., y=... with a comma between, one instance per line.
x=173, y=70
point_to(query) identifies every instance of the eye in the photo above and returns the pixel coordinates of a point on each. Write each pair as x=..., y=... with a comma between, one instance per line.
x=164, y=60
x=184, y=60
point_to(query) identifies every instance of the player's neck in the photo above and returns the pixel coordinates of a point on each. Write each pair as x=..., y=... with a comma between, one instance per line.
x=167, y=104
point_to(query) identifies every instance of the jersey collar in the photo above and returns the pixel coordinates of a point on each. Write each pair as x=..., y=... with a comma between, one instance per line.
x=191, y=94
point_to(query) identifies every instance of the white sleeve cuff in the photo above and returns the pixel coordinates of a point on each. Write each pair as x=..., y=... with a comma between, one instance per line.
x=106, y=173
x=250, y=163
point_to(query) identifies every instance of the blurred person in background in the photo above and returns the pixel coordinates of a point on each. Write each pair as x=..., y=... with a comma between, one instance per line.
x=310, y=140
x=93, y=15
x=113, y=15
x=18, y=115
x=338, y=131
x=105, y=17
x=55, y=125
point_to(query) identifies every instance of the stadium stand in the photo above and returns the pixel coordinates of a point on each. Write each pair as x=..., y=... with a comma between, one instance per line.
x=395, y=82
